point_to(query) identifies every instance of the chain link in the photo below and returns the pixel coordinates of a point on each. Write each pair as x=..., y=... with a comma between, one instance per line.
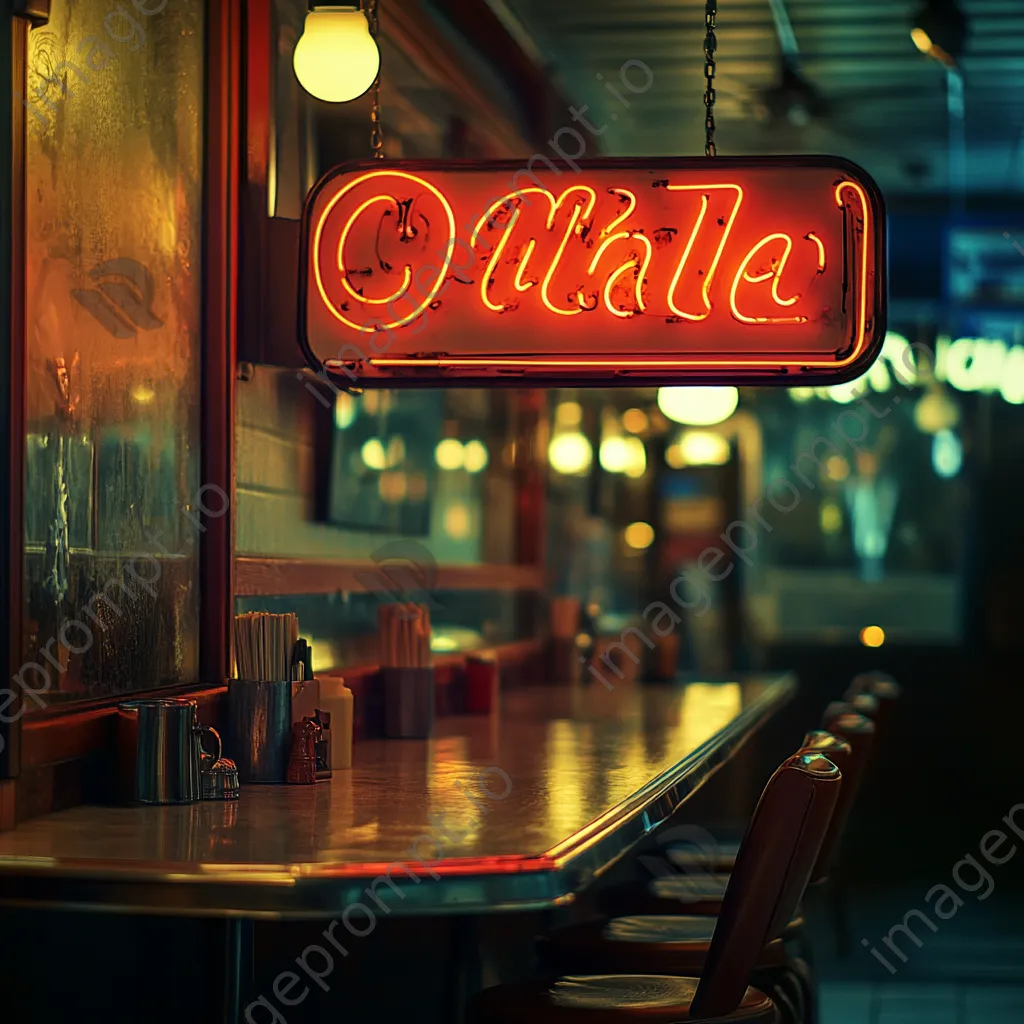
x=376, y=128
x=710, y=45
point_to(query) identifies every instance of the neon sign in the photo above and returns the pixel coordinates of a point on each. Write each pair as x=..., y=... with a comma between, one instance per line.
x=632, y=272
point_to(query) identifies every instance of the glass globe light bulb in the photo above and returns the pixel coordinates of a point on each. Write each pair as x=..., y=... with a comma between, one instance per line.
x=336, y=59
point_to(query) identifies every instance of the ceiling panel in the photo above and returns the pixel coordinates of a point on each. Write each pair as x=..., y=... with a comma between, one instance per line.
x=885, y=105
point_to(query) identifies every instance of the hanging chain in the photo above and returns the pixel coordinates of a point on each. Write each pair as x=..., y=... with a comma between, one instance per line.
x=376, y=128
x=710, y=45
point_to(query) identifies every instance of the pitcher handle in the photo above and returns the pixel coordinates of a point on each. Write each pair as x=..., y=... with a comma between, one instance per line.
x=216, y=735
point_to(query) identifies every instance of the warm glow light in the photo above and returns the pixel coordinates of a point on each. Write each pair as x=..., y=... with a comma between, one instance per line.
x=638, y=536
x=457, y=522
x=336, y=58
x=701, y=448
x=636, y=458
x=570, y=453
x=745, y=255
x=614, y=455
x=775, y=273
x=143, y=394
x=921, y=39
x=704, y=201
x=837, y=468
x=450, y=453
x=698, y=407
x=373, y=454
x=872, y=636
x=474, y=456
x=635, y=420
x=936, y=411
x=392, y=487
x=344, y=410
x=371, y=324
x=568, y=414
x=831, y=518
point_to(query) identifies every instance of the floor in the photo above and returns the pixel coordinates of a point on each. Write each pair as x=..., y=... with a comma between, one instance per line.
x=909, y=1003
x=970, y=971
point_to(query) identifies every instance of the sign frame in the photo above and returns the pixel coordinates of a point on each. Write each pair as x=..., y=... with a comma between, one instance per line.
x=431, y=369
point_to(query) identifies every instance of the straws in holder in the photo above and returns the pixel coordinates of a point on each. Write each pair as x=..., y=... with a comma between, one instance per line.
x=264, y=645
x=404, y=631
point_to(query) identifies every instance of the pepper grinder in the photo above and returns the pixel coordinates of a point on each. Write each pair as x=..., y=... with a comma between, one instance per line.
x=302, y=762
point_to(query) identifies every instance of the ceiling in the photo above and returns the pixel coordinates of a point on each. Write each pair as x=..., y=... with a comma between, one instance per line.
x=886, y=105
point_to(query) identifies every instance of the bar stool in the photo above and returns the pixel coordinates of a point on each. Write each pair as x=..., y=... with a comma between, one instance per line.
x=777, y=857
x=699, y=888
x=677, y=940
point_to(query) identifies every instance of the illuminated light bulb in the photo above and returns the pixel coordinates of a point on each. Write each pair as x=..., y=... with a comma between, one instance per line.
x=940, y=31
x=457, y=521
x=449, y=453
x=614, y=455
x=474, y=456
x=703, y=448
x=872, y=636
x=636, y=458
x=344, y=410
x=831, y=518
x=570, y=454
x=393, y=487
x=336, y=59
x=936, y=411
x=568, y=414
x=801, y=395
x=698, y=406
x=837, y=468
x=638, y=536
x=921, y=39
x=674, y=457
x=373, y=454
x=635, y=420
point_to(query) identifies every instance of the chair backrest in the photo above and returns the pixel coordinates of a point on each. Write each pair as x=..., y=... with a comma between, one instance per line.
x=881, y=688
x=879, y=684
x=773, y=865
x=856, y=733
x=859, y=704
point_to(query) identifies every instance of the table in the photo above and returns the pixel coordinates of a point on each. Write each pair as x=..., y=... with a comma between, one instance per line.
x=575, y=776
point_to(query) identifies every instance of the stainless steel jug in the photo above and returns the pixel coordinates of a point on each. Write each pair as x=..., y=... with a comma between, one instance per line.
x=169, y=750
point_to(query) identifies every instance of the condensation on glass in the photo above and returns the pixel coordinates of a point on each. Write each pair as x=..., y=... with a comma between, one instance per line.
x=113, y=244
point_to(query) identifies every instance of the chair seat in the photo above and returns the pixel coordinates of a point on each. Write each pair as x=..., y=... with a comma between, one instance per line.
x=608, y=999
x=689, y=895
x=688, y=858
x=676, y=944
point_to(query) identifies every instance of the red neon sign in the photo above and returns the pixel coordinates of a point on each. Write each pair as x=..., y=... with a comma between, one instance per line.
x=730, y=270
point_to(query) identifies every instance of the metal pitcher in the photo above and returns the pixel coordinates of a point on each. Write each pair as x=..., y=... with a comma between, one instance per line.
x=168, y=750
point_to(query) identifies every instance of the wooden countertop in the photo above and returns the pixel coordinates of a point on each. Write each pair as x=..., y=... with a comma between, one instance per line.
x=578, y=776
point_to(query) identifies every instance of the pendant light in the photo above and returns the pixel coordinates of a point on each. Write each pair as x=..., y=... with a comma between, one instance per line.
x=940, y=30
x=336, y=59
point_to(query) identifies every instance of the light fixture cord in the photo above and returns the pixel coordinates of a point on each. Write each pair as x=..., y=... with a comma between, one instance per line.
x=710, y=45
x=376, y=129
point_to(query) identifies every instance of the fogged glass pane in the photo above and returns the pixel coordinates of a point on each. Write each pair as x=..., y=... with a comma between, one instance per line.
x=113, y=208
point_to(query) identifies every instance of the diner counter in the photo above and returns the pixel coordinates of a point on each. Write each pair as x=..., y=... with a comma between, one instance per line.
x=513, y=811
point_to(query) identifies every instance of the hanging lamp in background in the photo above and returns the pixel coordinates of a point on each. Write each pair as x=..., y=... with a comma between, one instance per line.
x=336, y=59
x=940, y=31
